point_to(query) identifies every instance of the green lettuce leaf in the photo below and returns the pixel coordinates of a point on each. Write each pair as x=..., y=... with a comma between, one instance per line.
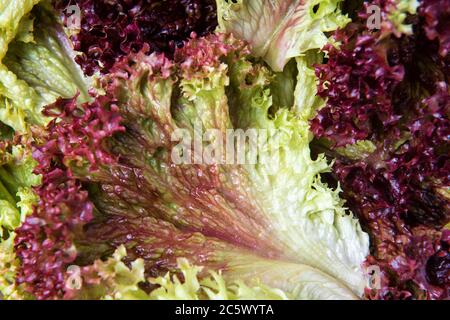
x=114, y=280
x=36, y=64
x=306, y=216
x=358, y=151
x=307, y=103
x=279, y=30
x=11, y=14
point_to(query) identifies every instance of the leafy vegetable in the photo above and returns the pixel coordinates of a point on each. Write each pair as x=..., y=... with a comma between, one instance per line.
x=281, y=29
x=36, y=64
x=36, y=68
x=436, y=14
x=16, y=201
x=393, y=16
x=202, y=164
x=386, y=118
x=109, y=179
x=113, y=279
x=111, y=29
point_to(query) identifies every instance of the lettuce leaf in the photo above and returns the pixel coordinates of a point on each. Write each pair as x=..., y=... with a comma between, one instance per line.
x=110, y=30
x=36, y=67
x=278, y=30
x=12, y=13
x=111, y=177
x=114, y=280
x=16, y=202
x=36, y=64
x=313, y=220
x=398, y=14
x=386, y=124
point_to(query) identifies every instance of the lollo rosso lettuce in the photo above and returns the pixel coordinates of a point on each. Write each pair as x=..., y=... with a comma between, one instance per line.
x=81, y=227
x=386, y=122
x=134, y=194
x=119, y=218
x=36, y=68
x=124, y=204
x=110, y=30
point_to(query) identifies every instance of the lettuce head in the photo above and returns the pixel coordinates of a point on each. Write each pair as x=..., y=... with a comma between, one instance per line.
x=119, y=172
x=134, y=193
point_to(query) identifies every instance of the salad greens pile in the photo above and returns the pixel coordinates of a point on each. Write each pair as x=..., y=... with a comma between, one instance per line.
x=386, y=123
x=101, y=196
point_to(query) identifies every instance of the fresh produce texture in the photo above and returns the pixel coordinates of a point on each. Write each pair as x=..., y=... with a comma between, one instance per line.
x=103, y=196
x=387, y=123
x=112, y=29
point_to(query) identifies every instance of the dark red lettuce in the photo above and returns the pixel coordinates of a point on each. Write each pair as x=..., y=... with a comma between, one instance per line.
x=437, y=16
x=358, y=83
x=112, y=29
x=394, y=92
x=45, y=242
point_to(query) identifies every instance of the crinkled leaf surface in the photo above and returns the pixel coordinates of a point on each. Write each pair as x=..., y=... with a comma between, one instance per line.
x=36, y=64
x=274, y=221
x=279, y=30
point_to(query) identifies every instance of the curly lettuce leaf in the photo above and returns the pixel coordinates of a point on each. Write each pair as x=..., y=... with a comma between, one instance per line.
x=16, y=202
x=307, y=102
x=386, y=123
x=114, y=280
x=310, y=284
x=358, y=151
x=306, y=216
x=398, y=16
x=392, y=16
x=114, y=165
x=11, y=15
x=109, y=30
x=280, y=30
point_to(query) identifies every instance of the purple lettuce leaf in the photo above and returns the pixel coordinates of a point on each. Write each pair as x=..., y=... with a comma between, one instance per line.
x=112, y=29
x=392, y=93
